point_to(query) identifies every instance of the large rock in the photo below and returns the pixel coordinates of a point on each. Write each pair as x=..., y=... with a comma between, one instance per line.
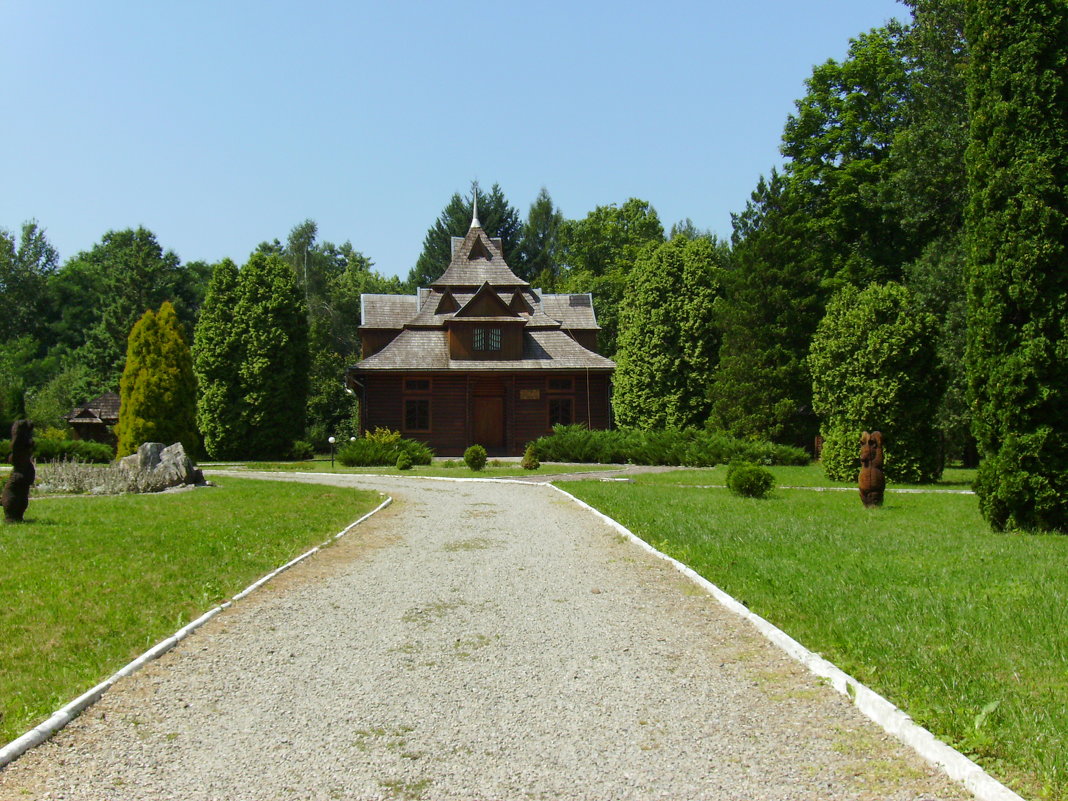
x=168, y=466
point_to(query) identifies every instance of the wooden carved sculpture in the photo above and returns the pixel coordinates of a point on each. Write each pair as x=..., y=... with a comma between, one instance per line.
x=16, y=495
x=872, y=480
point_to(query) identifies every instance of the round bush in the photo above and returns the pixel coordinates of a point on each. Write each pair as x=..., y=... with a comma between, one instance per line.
x=301, y=451
x=475, y=457
x=749, y=480
x=530, y=459
x=404, y=461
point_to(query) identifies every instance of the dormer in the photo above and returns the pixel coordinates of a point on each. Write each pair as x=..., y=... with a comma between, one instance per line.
x=486, y=329
x=447, y=304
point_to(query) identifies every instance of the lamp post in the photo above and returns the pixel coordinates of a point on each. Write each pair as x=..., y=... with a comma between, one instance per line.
x=331, y=441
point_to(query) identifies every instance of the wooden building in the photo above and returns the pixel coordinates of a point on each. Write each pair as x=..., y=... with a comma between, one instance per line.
x=96, y=420
x=480, y=357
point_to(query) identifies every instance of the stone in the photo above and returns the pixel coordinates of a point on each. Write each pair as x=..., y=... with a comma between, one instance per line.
x=872, y=479
x=169, y=466
x=16, y=495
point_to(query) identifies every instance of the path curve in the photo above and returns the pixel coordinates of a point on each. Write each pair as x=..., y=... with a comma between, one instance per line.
x=476, y=641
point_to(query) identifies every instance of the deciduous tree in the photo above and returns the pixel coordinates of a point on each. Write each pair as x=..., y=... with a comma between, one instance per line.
x=598, y=253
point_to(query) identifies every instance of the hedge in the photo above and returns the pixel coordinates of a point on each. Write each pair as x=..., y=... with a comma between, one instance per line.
x=689, y=447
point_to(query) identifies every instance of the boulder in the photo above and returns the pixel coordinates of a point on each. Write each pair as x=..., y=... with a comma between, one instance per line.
x=168, y=466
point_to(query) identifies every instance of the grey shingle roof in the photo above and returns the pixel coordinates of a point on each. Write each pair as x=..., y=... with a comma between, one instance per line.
x=573, y=311
x=387, y=311
x=465, y=271
x=428, y=350
x=103, y=409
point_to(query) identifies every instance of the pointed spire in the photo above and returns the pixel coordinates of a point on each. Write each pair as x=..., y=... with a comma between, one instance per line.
x=474, y=213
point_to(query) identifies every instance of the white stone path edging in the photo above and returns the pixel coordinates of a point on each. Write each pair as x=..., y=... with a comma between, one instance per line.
x=65, y=715
x=892, y=720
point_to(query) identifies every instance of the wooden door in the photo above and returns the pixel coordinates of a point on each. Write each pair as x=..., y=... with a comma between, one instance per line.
x=489, y=422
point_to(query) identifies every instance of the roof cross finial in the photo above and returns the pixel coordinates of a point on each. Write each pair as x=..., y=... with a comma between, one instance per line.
x=474, y=213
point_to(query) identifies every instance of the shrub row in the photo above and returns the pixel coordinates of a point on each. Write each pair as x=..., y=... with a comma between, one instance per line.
x=690, y=447
x=382, y=448
x=50, y=450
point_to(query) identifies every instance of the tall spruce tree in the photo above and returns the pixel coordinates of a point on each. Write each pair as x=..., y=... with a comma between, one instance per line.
x=498, y=217
x=774, y=299
x=271, y=320
x=540, y=242
x=1017, y=229
x=217, y=353
x=667, y=342
x=158, y=388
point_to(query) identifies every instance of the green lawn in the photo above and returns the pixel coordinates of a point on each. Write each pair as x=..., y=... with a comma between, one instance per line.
x=965, y=629
x=809, y=476
x=89, y=583
x=448, y=469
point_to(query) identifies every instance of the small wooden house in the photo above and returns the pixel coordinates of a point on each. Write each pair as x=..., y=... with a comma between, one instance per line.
x=96, y=420
x=480, y=357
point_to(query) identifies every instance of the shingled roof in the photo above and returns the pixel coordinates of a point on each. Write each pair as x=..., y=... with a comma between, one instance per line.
x=476, y=260
x=102, y=410
x=428, y=350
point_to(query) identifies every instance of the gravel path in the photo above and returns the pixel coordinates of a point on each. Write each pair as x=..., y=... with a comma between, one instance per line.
x=474, y=641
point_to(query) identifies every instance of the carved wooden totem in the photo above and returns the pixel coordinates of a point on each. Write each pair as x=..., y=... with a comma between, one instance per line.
x=16, y=495
x=872, y=480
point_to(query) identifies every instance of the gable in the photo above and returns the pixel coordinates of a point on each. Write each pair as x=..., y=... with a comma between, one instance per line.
x=486, y=303
x=447, y=304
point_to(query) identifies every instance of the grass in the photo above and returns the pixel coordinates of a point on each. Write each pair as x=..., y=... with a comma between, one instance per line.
x=90, y=583
x=809, y=476
x=965, y=629
x=448, y=469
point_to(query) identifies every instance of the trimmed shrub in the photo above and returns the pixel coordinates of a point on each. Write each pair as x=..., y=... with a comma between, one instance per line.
x=381, y=448
x=475, y=457
x=301, y=451
x=404, y=461
x=749, y=480
x=690, y=447
x=530, y=459
x=875, y=368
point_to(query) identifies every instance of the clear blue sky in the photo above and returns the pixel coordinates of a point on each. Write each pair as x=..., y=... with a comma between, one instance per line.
x=221, y=124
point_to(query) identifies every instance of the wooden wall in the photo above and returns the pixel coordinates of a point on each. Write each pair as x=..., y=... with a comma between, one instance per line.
x=526, y=406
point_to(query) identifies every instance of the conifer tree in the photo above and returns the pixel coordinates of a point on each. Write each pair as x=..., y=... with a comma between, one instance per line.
x=667, y=344
x=774, y=300
x=1017, y=237
x=217, y=353
x=271, y=321
x=158, y=388
x=498, y=217
x=540, y=242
